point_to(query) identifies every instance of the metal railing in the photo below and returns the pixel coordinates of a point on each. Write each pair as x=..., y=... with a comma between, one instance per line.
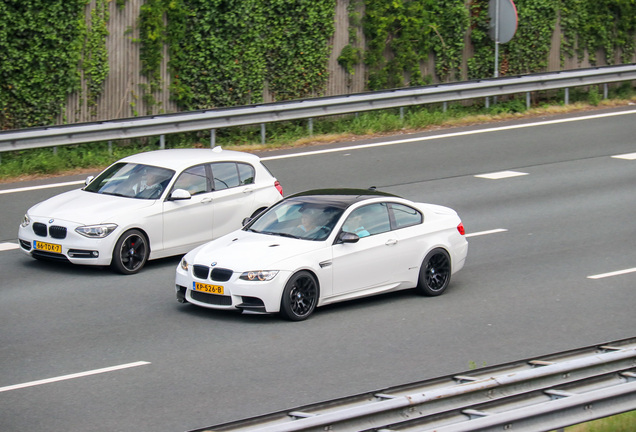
x=552, y=392
x=160, y=125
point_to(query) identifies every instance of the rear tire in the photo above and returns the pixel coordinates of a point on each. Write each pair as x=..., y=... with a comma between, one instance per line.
x=131, y=252
x=435, y=273
x=300, y=297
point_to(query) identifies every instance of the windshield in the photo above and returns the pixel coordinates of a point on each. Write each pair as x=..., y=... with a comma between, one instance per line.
x=307, y=221
x=132, y=181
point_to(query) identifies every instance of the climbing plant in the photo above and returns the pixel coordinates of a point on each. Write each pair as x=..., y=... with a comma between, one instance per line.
x=40, y=49
x=450, y=23
x=604, y=25
x=224, y=52
x=233, y=52
x=403, y=27
x=296, y=35
x=411, y=30
x=352, y=53
x=95, y=56
x=216, y=51
x=152, y=38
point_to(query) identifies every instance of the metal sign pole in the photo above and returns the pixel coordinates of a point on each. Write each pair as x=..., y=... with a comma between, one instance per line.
x=497, y=39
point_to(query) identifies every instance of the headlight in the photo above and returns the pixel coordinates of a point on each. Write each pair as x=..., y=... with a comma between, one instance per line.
x=96, y=231
x=259, y=275
x=184, y=264
x=26, y=221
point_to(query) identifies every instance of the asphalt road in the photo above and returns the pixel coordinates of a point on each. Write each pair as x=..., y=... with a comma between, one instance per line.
x=544, y=241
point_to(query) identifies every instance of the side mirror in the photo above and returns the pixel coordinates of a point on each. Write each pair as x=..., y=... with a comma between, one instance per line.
x=347, y=237
x=88, y=180
x=246, y=221
x=180, y=194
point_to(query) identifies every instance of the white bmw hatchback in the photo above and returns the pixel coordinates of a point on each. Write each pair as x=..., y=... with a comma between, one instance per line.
x=325, y=246
x=150, y=205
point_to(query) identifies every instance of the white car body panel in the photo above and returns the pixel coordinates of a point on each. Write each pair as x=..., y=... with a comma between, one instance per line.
x=375, y=264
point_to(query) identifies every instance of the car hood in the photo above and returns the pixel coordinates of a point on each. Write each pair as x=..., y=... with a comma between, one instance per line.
x=243, y=251
x=87, y=208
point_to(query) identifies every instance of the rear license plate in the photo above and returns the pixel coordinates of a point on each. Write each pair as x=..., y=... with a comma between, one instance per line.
x=48, y=247
x=212, y=289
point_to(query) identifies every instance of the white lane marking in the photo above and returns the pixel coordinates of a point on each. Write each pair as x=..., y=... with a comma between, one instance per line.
x=614, y=273
x=71, y=376
x=481, y=233
x=380, y=144
x=627, y=156
x=448, y=135
x=30, y=188
x=501, y=175
x=8, y=246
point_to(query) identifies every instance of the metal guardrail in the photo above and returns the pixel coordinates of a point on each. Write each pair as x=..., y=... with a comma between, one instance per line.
x=306, y=109
x=552, y=392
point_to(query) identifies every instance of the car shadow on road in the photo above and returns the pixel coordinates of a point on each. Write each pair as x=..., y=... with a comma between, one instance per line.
x=321, y=313
x=41, y=265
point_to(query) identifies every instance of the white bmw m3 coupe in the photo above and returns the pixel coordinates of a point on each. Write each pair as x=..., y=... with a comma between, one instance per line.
x=324, y=246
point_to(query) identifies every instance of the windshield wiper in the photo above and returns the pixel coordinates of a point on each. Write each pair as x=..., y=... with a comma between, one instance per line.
x=115, y=194
x=280, y=234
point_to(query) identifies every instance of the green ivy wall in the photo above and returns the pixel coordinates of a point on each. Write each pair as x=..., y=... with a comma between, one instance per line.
x=65, y=61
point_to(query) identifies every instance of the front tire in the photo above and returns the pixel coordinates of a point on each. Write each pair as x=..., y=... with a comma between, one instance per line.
x=435, y=273
x=300, y=297
x=131, y=252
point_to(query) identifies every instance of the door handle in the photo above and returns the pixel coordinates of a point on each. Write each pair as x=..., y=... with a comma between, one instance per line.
x=391, y=242
x=206, y=200
x=248, y=190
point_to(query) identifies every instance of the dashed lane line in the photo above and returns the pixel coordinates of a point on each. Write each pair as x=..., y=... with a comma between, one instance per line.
x=481, y=233
x=72, y=376
x=614, y=273
x=501, y=175
x=8, y=246
x=47, y=186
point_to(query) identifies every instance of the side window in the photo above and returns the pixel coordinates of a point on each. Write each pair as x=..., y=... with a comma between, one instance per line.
x=246, y=173
x=405, y=216
x=225, y=175
x=368, y=220
x=194, y=180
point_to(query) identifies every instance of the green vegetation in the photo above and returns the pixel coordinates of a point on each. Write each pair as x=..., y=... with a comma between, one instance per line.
x=625, y=422
x=39, y=162
x=233, y=52
x=41, y=43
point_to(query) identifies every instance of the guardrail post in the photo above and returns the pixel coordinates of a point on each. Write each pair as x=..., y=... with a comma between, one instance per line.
x=401, y=113
x=487, y=102
x=310, y=126
x=527, y=100
x=162, y=142
x=55, y=151
x=567, y=96
x=262, y=133
x=110, y=148
x=212, y=138
x=605, y=91
x=445, y=106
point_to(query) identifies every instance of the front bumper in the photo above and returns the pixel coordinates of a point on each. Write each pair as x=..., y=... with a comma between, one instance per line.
x=60, y=242
x=239, y=294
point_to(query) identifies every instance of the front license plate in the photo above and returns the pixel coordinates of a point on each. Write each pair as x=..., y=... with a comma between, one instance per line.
x=212, y=289
x=49, y=247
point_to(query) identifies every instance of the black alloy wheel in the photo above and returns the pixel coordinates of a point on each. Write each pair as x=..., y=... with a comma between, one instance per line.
x=131, y=252
x=435, y=273
x=300, y=297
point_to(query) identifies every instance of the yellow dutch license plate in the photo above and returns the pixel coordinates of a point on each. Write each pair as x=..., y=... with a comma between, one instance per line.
x=48, y=247
x=212, y=289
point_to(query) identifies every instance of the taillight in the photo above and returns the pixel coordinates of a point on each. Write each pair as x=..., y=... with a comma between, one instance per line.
x=278, y=187
x=460, y=228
